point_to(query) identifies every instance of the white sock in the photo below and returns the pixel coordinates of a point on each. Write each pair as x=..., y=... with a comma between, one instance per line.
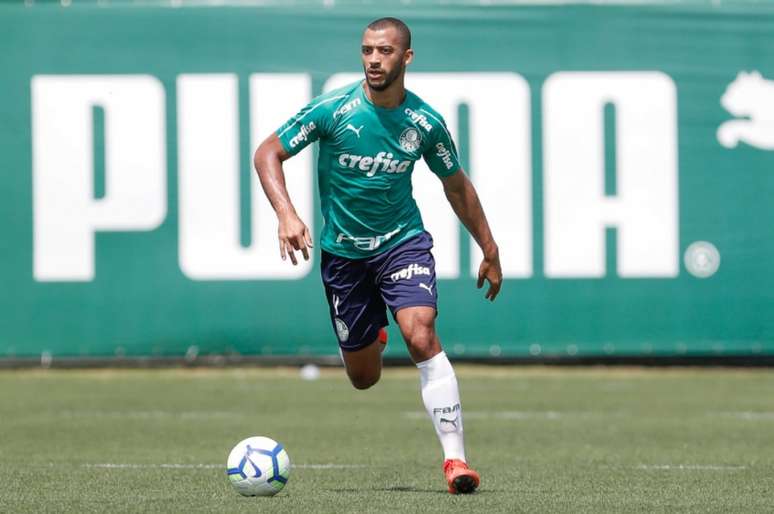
x=442, y=401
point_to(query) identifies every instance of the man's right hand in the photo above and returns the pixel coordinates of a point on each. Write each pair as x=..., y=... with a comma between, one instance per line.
x=293, y=236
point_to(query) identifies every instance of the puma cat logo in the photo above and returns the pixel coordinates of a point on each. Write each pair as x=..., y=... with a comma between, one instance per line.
x=429, y=288
x=750, y=97
x=353, y=129
x=449, y=425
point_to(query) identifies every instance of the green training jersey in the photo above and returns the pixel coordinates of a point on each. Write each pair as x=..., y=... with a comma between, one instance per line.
x=367, y=154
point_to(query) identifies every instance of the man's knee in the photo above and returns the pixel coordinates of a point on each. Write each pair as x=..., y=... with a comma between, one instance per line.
x=364, y=366
x=421, y=339
x=419, y=334
x=362, y=380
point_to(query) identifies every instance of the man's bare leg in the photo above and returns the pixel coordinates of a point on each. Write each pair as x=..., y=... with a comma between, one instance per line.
x=364, y=366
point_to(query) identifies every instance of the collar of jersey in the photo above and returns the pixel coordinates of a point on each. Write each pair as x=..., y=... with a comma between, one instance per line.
x=384, y=109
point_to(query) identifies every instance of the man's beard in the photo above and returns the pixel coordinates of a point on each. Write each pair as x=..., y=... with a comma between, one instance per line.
x=387, y=80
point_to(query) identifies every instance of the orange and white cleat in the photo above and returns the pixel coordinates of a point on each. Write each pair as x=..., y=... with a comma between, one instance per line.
x=461, y=479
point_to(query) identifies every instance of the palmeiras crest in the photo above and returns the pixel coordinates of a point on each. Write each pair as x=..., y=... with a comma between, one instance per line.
x=410, y=139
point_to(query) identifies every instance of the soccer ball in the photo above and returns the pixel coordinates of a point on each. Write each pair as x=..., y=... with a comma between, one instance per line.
x=258, y=466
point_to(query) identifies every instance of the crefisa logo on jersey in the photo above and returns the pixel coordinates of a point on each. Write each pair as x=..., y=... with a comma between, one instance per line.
x=303, y=134
x=410, y=139
x=419, y=119
x=445, y=155
x=372, y=164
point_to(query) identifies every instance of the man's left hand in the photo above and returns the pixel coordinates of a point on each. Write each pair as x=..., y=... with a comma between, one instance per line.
x=491, y=272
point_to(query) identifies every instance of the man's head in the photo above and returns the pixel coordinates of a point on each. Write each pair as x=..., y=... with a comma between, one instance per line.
x=385, y=50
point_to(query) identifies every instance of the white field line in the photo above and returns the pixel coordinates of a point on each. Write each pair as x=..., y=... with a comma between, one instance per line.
x=513, y=414
x=113, y=465
x=329, y=466
x=690, y=467
x=747, y=415
x=147, y=414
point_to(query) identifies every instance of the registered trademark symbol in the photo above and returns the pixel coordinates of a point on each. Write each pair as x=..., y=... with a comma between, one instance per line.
x=702, y=259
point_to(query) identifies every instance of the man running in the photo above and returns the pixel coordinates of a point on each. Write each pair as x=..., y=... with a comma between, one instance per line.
x=375, y=251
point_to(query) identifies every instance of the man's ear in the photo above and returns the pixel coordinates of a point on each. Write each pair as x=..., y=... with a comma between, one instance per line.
x=408, y=56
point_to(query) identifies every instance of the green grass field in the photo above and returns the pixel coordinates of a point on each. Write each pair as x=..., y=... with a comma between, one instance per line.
x=544, y=440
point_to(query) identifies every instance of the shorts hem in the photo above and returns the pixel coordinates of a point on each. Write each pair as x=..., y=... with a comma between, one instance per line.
x=413, y=304
x=359, y=346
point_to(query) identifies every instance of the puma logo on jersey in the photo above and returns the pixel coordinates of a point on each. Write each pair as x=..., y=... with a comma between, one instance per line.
x=428, y=288
x=353, y=129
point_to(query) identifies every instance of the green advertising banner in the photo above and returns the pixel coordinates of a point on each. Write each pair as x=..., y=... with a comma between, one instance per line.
x=624, y=156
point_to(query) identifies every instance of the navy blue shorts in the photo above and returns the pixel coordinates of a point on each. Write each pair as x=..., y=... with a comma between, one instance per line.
x=360, y=290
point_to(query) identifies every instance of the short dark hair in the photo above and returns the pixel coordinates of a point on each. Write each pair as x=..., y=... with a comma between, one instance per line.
x=403, y=31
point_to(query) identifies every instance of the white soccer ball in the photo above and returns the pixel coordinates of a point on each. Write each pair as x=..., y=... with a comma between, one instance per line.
x=310, y=372
x=258, y=466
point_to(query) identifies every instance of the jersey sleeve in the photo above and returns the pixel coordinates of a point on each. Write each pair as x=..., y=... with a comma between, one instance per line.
x=441, y=154
x=307, y=126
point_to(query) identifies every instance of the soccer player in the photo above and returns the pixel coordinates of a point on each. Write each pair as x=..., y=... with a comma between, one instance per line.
x=375, y=251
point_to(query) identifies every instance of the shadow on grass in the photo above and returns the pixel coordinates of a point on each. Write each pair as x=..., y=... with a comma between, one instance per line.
x=409, y=489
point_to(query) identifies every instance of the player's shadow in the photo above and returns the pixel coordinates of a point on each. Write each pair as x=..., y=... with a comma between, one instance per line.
x=391, y=489
x=406, y=489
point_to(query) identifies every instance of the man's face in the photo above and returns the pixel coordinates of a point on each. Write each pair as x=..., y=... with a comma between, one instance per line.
x=384, y=60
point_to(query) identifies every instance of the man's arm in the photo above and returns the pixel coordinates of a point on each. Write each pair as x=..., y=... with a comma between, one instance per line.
x=464, y=200
x=293, y=233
